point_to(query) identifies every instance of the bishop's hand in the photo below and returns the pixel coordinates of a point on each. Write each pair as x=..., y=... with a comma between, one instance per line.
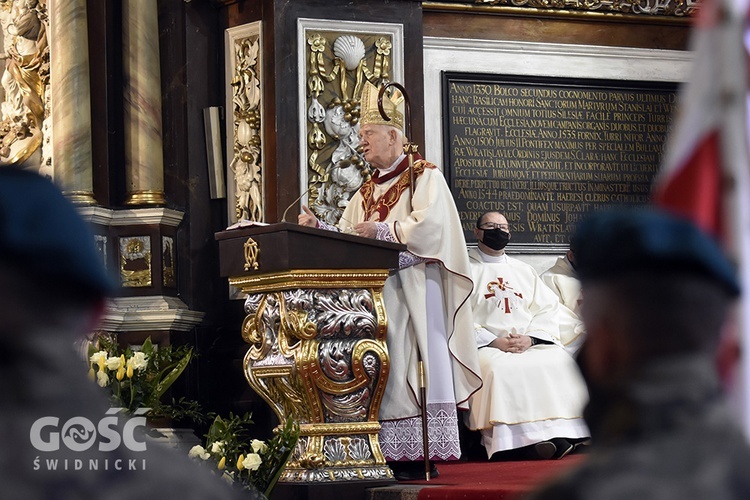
x=367, y=229
x=307, y=218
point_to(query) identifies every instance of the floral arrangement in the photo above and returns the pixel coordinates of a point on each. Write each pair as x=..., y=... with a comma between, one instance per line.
x=250, y=464
x=139, y=378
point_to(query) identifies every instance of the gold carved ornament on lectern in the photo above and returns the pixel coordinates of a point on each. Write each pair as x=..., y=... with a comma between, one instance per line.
x=317, y=353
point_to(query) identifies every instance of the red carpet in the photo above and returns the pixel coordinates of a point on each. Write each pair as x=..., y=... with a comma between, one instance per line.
x=492, y=480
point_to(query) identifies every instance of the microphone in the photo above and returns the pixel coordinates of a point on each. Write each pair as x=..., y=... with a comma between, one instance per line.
x=283, y=216
x=314, y=184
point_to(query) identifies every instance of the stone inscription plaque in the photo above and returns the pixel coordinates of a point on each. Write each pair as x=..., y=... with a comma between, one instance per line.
x=545, y=152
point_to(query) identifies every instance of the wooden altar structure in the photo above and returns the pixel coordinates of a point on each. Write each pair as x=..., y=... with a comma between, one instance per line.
x=316, y=325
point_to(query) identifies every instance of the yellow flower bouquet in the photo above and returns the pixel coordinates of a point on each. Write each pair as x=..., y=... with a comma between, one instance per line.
x=139, y=378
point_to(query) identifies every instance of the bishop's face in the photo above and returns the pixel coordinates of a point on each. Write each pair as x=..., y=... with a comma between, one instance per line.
x=377, y=143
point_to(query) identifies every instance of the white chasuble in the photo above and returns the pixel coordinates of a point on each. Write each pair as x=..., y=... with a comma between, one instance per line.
x=531, y=396
x=428, y=313
x=561, y=278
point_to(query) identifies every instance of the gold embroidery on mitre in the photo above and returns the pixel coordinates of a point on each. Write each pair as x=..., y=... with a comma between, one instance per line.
x=370, y=114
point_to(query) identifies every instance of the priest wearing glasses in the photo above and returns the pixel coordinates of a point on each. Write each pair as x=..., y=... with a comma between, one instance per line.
x=531, y=403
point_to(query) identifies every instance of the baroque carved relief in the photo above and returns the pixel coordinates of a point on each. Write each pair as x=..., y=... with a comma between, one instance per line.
x=24, y=110
x=678, y=8
x=337, y=63
x=319, y=356
x=243, y=49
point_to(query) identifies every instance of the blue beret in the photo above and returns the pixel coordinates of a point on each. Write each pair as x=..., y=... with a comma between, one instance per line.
x=613, y=242
x=42, y=233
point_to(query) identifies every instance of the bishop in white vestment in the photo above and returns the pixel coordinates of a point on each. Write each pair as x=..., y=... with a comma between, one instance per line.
x=426, y=299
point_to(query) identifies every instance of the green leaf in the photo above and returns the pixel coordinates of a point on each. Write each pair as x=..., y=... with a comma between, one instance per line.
x=169, y=379
x=286, y=440
x=148, y=348
x=216, y=431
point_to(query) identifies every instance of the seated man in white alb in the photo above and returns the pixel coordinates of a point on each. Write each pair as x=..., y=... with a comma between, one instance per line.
x=533, y=394
x=562, y=279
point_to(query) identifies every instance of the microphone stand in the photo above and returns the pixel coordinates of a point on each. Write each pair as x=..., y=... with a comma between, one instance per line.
x=283, y=216
x=314, y=184
x=410, y=149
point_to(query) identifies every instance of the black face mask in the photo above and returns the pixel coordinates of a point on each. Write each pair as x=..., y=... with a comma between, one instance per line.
x=496, y=238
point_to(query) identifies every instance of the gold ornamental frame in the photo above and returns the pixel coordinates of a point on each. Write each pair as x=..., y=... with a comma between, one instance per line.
x=318, y=354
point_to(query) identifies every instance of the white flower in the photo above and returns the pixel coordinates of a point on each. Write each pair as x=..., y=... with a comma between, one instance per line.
x=258, y=446
x=227, y=477
x=252, y=461
x=199, y=451
x=102, y=378
x=114, y=363
x=99, y=357
x=139, y=360
x=217, y=447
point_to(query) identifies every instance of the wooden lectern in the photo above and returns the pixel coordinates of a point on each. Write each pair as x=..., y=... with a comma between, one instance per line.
x=316, y=326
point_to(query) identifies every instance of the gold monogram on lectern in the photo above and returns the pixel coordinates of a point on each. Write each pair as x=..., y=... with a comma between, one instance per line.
x=251, y=254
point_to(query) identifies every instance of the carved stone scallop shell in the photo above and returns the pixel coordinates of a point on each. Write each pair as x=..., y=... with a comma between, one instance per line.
x=350, y=50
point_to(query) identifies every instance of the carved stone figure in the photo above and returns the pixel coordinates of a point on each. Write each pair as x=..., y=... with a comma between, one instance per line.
x=246, y=163
x=24, y=80
x=345, y=167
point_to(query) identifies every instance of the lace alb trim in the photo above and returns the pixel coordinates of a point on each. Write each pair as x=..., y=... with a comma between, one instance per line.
x=327, y=226
x=402, y=439
x=405, y=259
